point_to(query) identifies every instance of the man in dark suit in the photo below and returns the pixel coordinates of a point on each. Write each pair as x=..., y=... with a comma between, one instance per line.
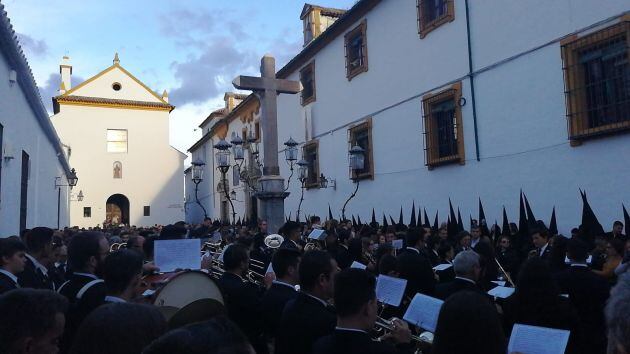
x=415, y=267
x=285, y=265
x=357, y=308
x=467, y=272
x=540, y=239
x=291, y=234
x=241, y=297
x=122, y=273
x=12, y=262
x=309, y=317
x=84, y=290
x=588, y=293
x=39, y=253
x=616, y=233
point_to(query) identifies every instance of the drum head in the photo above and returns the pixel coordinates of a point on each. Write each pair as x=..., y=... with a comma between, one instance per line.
x=187, y=287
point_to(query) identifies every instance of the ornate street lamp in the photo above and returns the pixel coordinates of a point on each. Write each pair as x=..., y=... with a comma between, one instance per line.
x=73, y=179
x=356, y=157
x=197, y=177
x=290, y=155
x=302, y=177
x=237, y=150
x=223, y=164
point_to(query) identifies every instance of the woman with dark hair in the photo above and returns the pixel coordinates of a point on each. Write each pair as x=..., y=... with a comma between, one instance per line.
x=468, y=323
x=446, y=252
x=217, y=336
x=614, y=255
x=121, y=328
x=537, y=302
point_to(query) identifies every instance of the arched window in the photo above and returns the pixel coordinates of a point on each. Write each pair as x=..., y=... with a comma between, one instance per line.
x=117, y=169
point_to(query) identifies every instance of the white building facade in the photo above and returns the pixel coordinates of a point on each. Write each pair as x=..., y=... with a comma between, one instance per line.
x=34, y=169
x=549, y=113
x=117, y=129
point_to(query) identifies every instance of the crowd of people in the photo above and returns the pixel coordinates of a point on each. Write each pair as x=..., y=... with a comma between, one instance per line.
x=78, y=291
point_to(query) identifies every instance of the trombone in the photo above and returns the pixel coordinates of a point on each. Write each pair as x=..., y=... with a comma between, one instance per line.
x=507, y=276
x=382, y=325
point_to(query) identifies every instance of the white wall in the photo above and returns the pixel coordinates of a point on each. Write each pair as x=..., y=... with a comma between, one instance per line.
x=23, y=132
x=521, y=119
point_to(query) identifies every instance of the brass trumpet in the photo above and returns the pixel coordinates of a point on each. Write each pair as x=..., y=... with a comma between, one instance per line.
x=382, y=325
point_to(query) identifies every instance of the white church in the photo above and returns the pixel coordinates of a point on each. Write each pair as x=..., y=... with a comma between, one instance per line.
x=448, y=98
x=116, y=130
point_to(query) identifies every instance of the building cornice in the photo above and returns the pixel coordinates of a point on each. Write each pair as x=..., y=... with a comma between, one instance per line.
x=109, y=103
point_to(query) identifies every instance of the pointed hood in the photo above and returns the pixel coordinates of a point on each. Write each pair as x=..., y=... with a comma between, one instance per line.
x=452, y=222
x=385, y=226
x=238, y=223
x=523, y=225
x=400, y=217
x=531, y=219
x=506, y=223
x=373, y=223
x=412, y=223
x=289, y=218
x=391, y=221
x=330, y=216
x=483, y=223
x=359, y=220
x=626, y=220
x=354, y=221
x=553, y=226
x=591, y=225
x=426, y=223
x=460, y=223
x=436, y=223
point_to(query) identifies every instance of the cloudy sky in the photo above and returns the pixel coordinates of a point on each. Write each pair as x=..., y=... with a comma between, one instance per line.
x=192, y=48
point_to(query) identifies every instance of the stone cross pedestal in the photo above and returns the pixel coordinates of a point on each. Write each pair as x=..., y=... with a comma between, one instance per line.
x=271, y=185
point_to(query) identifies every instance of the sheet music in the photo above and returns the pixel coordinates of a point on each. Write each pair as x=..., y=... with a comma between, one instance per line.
x=537, y=340
x=358, y=265
x=588, y=260
x=501, y=292
x=390, y=290
x=317, y=234
x=499, y=282
x=423, y=312
x=177, y=254
x=397, y=244
x=440, y=267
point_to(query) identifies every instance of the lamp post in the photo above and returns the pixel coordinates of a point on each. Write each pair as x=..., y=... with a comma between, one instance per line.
x=302, y=176
x=197, y=177
x=356, y=157
x=223, y=164
x=290, y=155
x=72, y=181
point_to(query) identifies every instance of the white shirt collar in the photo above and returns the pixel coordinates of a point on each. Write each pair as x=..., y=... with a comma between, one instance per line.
x=466, y=279
x=316, y=298
x=584, y=265
x=474, y=243
x=10, y=275
x=349, y=329
x=280, y=282
x=114, y=299
x=413, y=248
x=37, y=264
x=86, y=275
x=543, y=248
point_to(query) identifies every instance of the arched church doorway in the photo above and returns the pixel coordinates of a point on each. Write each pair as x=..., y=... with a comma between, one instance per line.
x=117, y=209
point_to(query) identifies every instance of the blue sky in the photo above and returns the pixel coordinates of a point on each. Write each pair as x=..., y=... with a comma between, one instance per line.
x=192, y=48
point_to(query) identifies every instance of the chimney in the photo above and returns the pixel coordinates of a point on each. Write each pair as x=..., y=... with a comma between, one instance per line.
x=165, y=96
x=65, y=69
x=317, y=19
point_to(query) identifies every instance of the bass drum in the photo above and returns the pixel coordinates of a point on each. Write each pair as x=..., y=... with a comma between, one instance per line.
x=182, y=288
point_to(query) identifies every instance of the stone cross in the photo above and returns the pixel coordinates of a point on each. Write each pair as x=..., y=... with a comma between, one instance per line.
x=266, y=88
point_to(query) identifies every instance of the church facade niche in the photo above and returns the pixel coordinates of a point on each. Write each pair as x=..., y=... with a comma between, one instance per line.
x=117, y=168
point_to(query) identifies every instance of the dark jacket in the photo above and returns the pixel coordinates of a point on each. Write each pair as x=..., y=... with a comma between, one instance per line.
x=417, y=269
x=32, y=277
x=273, y=303
x=443, y=291
x=244, y=308
x=352, y=342
x=304, y=320
x=6, y=284
x=588, y=292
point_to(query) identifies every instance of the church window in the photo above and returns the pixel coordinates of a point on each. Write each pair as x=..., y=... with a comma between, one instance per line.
x=597, y=82
x=434, y=13
x=116, y=86
x=310, y=152
x=444, y=140
x=117, y=169
x=147, y=210
x=307, y=77
x=87, y=212
x=116, y=140
x=356, y=51
x=361, y=135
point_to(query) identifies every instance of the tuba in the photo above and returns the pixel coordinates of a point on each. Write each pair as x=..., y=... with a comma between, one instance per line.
x=273, y=241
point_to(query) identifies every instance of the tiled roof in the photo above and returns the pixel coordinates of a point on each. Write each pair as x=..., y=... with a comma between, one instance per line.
x=112, y=102
x=221, y=112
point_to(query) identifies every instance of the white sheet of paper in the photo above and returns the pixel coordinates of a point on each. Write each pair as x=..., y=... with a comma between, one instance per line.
x=148, y=292
x=177, y=254
x=270, y=269
x=317, y=234
x=529, y=340
x=588, y=260
x=499, y=282
x=390, y=290
x=440, y=267
x=358, y=265
x=397, y=244
x=423, y=312
x=501, y=292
